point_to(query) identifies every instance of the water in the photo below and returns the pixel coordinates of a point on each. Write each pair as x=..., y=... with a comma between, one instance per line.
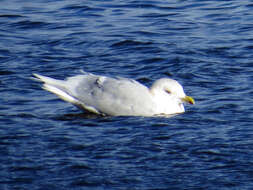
x=46, y=143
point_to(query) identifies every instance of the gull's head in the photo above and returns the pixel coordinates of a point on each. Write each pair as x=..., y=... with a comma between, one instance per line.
x=171, y=88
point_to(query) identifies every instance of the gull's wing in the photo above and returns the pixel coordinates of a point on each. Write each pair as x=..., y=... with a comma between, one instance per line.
x=113, y=96
x=102, y=95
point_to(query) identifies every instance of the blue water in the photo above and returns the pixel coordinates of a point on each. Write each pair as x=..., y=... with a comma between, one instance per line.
x=46, y=143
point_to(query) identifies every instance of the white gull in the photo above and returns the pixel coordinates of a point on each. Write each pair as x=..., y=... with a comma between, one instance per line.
x=119, y=96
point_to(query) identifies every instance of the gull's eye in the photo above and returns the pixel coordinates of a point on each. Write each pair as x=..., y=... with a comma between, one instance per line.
x=168, y=91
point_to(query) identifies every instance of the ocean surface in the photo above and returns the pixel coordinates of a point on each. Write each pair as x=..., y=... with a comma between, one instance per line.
x=46, y=143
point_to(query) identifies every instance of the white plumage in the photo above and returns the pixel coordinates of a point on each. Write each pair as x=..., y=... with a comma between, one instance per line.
x=119, y=96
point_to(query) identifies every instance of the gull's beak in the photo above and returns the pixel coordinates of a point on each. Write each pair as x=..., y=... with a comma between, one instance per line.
x=188, y=99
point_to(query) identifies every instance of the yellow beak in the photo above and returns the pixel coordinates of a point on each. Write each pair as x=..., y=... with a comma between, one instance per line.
x=188, y=99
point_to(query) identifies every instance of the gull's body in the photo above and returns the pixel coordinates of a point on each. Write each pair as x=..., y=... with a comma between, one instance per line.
x=119, y=96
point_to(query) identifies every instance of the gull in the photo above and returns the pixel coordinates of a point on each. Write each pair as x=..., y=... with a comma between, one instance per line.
x=116, y=96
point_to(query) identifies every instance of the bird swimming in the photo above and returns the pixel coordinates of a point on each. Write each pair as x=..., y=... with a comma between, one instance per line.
x=119, y=96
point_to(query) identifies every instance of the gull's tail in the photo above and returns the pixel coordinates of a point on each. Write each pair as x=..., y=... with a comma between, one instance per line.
x=58, y=87
x=65, y=90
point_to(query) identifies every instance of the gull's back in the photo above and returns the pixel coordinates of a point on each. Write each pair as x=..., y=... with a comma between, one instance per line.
x=111, y=96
